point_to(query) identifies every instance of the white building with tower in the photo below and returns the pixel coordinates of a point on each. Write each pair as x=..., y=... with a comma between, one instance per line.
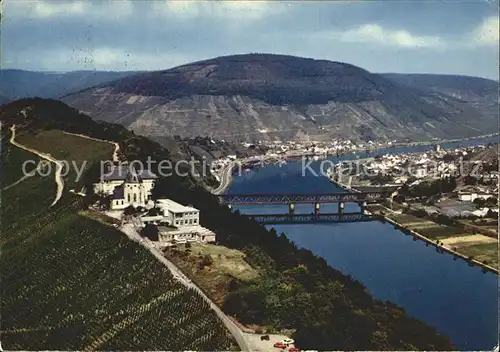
x=126, y=186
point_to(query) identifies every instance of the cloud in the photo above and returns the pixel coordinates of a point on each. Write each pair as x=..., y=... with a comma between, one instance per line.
x=375, y=34
x=487, y=32
x=49, y=10
x=229, y=10
x=135, y=34
x=484, y=34
x=43, y=9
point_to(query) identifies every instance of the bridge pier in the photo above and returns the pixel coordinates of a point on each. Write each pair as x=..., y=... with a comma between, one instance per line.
x=316, y=208
x=341, y=208
x=291, y=209
x=362, y=206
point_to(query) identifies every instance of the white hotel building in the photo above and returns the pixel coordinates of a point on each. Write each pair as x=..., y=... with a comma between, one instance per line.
x=174, y=214
x=130, y=187
x=185, y=219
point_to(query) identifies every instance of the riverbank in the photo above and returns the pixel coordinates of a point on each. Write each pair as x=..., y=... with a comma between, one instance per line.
x=429, y=285
x=438, y=244
x=353, y=155
x=361, y=188
x=440, y=233
x=415, y=144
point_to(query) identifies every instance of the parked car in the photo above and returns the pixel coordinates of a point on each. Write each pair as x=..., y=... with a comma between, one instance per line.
x=264, y=337
x=279, y=345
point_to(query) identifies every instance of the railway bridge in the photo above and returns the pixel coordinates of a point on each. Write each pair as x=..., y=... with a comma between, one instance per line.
x=362, y=198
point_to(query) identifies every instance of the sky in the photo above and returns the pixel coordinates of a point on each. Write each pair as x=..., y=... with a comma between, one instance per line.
x=417, y=36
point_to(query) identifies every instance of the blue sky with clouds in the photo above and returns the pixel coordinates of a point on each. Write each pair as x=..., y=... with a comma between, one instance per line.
x=452, y=37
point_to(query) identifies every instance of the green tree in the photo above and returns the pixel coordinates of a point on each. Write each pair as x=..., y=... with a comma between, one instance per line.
x=206, y=261
x=150, y=231
x=491, y=202
x=130, y=210
x=470, y=180
x=479, y=202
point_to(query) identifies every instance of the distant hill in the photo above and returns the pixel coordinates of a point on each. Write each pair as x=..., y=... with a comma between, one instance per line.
x=3, y=100
x=17, y=84
x=263, y=96
x=477, y=86
x=481, y=93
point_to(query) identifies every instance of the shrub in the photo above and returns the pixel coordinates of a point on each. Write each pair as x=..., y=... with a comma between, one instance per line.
x=206, y=261
x=130, y=210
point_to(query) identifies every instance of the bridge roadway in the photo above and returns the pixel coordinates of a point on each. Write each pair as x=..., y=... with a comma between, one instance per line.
x=275, y=219
x=358, y=197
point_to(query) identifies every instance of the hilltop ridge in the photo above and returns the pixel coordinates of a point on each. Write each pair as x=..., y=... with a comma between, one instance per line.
x=264, y=96
x=16, y=84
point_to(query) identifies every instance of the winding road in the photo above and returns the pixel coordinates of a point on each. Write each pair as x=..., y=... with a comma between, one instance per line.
x=59, y=166
x=225, y=178
x=25, y=177
x=117, y=146
x=131, y=232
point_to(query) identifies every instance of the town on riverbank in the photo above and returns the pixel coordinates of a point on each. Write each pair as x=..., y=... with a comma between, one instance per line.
x=279, y=152
x=448, y=198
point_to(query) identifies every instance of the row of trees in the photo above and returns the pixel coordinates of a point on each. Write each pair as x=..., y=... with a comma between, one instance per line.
x=349, y=317
x=491, y=202
x=297, y=289
x=428, y=189
x=473, y=181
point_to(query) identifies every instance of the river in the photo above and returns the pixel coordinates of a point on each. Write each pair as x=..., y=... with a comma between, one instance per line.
x=460, y=301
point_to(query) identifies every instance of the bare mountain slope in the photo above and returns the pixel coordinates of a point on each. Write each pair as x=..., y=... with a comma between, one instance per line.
x=263, y=96
x=462, y=87
x=479, y=92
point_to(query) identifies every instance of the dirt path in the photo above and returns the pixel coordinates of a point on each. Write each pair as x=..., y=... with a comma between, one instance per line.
x=25, y=177
x=130, y=230
x=59, y=166
x=117, y=146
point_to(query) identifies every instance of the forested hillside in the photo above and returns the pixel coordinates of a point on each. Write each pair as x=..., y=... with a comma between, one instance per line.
x=327, y=309
x=70, y=281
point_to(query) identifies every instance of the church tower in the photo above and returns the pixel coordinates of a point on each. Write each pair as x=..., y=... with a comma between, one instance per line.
x=134, y=192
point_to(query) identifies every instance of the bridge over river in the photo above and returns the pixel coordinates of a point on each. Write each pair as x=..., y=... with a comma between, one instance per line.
x=362, y=198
